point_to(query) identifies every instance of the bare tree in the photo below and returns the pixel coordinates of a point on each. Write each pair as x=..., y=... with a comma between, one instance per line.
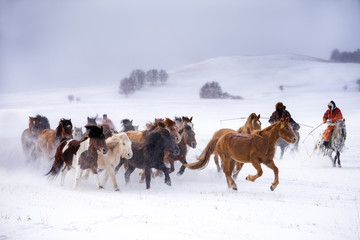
x=152, y=76
x=163, y=76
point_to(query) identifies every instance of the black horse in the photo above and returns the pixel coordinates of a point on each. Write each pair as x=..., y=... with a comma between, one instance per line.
x=127, y=125
x=150, y=154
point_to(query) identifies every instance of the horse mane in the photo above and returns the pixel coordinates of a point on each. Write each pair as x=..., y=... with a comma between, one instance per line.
x=43, y=122
x=125, y=121
x=159, y=122
x=169, y=123
x=95, y=132
x=260, y=131
x=114, y=140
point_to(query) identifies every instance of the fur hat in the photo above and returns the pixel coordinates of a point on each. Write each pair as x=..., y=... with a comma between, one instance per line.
x=279, y=105
x=331, y=105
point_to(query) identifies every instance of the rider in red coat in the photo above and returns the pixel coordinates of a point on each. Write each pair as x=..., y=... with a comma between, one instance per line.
x=332, y=115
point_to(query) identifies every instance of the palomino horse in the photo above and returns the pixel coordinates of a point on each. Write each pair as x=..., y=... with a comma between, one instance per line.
x=150, y=154
x=30, y=135
x=119, y=146
x=255, y=148
x=50, y=139
x=79, y=155
x=252, y=123
x=337, y=142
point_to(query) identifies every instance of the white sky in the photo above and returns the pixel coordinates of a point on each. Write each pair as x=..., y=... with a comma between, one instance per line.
x=47, y=43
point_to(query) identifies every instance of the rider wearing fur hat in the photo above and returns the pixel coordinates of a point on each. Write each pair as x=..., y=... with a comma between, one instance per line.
x=332, y=115
x=281, y=112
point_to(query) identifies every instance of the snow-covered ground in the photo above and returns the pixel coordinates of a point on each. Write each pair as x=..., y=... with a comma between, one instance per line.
x=313, y=200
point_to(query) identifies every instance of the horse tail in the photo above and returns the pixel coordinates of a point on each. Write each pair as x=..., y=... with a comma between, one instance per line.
x=204, y=157
x=58, y=161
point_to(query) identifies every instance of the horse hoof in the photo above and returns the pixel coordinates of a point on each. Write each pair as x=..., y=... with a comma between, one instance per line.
x=101, y=188
x=117, y=190
x=180, y=173
x=271, y=188
x=168, y=183
x=247, y=178
x=234, y=188
x=339, y=166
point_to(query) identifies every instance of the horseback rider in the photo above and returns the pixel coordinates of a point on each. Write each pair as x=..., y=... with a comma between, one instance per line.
x=281, y=112
x=331, y=116
x=107, y=121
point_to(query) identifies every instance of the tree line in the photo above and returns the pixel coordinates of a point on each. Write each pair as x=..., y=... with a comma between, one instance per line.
x=345, y=57
x=139, y=78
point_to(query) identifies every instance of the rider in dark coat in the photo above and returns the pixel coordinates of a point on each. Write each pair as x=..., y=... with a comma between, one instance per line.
x=281, y=112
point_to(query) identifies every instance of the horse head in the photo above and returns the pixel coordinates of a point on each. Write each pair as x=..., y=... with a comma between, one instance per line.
x=64, y=130
x=78, y=133
x=187, y=121
x=188, y=135
x=286, y=132
x=167, y=140
x=127, y=125
x=173, y=129
x=91, y=121
x=97, y=138
x=125, y=144
x=33, y=124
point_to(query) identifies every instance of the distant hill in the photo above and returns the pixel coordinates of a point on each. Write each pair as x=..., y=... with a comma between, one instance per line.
x=248, y=75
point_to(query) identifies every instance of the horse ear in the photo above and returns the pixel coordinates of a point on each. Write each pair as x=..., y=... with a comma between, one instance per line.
x=191, y=118
x=88, y=119
x=259, y=116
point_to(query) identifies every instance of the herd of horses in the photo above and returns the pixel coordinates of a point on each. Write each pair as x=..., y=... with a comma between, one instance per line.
x=163, y=142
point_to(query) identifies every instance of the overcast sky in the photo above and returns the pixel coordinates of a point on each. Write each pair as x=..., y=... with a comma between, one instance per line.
x=47, y=43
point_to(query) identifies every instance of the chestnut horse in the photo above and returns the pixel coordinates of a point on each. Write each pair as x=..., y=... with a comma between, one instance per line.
x=255, y=148
x=79, y=155
x=50, y=139
x=252, y=123
x=30, y=135
x=170, y=125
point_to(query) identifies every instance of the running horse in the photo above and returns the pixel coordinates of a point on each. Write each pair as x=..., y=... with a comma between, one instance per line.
x=252, y=123
x=50, y=139
x=256, y=148
x=30, y=135
x=337, y=143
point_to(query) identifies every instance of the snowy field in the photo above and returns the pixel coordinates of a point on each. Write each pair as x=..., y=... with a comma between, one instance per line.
x=312, y=201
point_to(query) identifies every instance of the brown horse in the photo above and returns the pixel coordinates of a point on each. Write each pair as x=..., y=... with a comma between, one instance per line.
x=255, y=148
x=187, y=140
x=30, y=135
x=252, y=123
x=50, y=139
x=170, y=125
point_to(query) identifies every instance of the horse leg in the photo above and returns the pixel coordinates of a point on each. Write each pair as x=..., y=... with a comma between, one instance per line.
x=338, y=158
x=216, y=160
x=86, y=175
x=63, y=174
x=163, y=168
x=110, y=171
x=259, y=173
x=227, y=170
x=147, y=176
x=96, y=178
x=128, y=172
x=182, y=168
x=237, y=170
x=282, y=148
x=78, y=173
x=272, y=166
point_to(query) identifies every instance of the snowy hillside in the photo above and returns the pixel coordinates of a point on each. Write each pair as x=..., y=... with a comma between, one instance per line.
x=313, y=200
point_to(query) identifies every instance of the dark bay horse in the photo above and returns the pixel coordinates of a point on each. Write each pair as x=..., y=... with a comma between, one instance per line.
x=256, y=148
x=30, y=135
x=150, y=154
x=337, y=143
x=187, y=140
x=49, y=139
x=79, y=155
x=127, y=125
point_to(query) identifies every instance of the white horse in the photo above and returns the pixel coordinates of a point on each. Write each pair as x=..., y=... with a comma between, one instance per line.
x=119, y=145
x=337, y=142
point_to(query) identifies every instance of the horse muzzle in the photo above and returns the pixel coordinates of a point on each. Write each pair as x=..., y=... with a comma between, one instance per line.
x=129, y=155
x=193, y=145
